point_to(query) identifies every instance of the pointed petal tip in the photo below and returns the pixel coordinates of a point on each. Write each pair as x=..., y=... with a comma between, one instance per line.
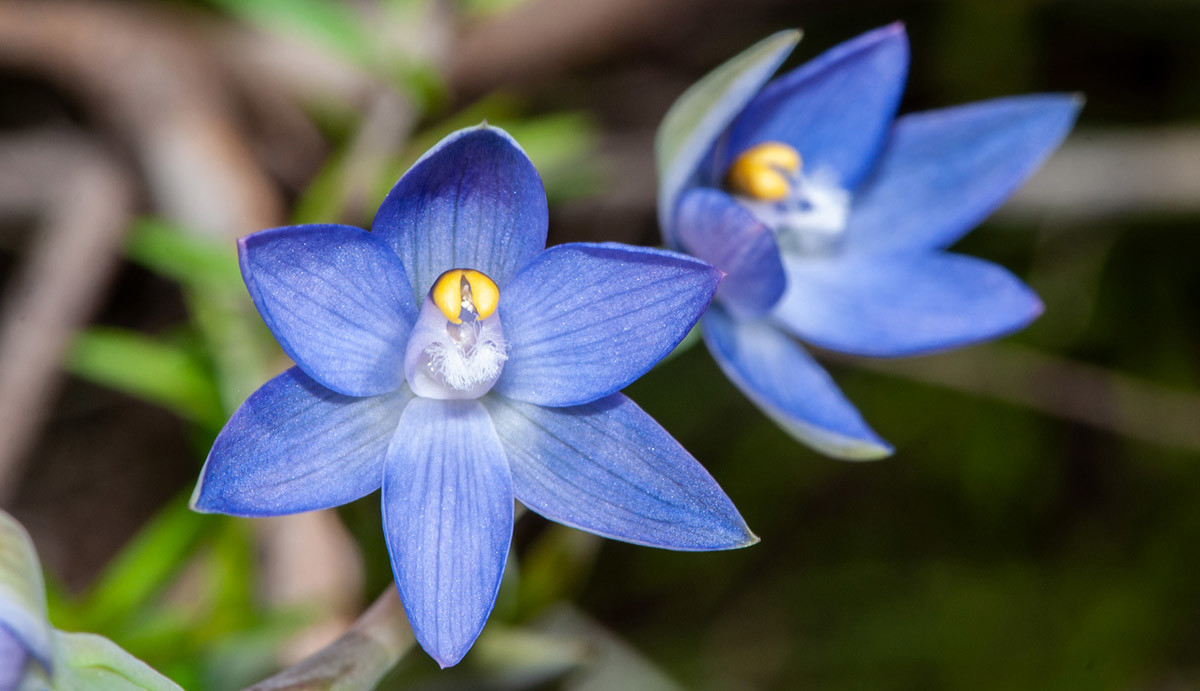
x=194, y=500
x=750, y=540
x=853, y=450
x=791, y=36
x=1037, y=309
x=447, y=661
x=876, y=451
x=888, y=32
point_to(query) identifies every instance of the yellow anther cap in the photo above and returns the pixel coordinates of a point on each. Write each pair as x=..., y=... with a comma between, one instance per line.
x=482, y=295
x=764, y=171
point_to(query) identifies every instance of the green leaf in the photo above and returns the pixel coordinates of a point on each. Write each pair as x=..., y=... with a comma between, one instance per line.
x=234, y=337
x=189, y=257
x=705, y=109
x=555, y=567
x=146, y=565
x=161, y=373
x=22, y=593
x=87, y=662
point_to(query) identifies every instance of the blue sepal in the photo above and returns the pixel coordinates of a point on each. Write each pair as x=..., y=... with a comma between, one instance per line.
x=584, y=320
x=448, y=519
x=790, y=387
x=296, y=446
x=889, y=306
x=337, y=300
x=608, y=468
x=474, y=201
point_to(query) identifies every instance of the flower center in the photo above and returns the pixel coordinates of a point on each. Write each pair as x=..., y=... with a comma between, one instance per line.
x=457, y=347
x=807, y=213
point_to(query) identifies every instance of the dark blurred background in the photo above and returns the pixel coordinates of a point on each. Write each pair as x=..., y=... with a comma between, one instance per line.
x=1037, y=527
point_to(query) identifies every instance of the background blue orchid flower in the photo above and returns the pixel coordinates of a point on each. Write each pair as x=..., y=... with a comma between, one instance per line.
x=446, y=357
x=831, y=217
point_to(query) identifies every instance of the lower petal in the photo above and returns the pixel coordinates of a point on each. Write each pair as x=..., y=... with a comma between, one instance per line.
x=296, y=446
x=448, y=519
x=608, y=468
x=891, y=306
x=775, y=372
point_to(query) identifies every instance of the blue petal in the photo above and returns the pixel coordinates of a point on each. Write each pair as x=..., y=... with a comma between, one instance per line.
x=699, y=116
x=296, y=446
x=607, y=467
x=448, y=518
x=893, y=305
x=474, y=201
x=790, y=387
x=714, y=227
x=946, y=170
x=12, y=660
x=584, y=320
x=337, y=300
x=835, y=110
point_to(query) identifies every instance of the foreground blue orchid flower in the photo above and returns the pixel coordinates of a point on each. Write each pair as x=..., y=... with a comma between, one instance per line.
x=447, y=357
x=830, y=217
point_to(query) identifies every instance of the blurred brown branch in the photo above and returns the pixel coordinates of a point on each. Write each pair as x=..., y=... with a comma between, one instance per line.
x=1073, y=391
x=82, y=200
x=1107, y=173
x=149, y=77
x=545, y=38
x=356, y=660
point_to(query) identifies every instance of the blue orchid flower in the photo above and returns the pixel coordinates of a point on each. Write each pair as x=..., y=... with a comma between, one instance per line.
x=448, y=358
x=831, y=218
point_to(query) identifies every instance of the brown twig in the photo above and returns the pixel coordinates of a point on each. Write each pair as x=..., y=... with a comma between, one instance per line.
x=356, y=660
x=1073, y=391
x=83, y=201
x=149, y=78
x=545, y=38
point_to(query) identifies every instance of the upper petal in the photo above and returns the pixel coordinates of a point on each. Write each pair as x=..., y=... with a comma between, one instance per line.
x=448, y=518
x=296, y=446
x=584, y=320
x=944, y=171
x=699, y=116
x=23, y=595
x=337, y=300
x=474, y=201
x=835, y=109
x=607, y=467
x=790, y=387
x=713, y=226
x=892, y=305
